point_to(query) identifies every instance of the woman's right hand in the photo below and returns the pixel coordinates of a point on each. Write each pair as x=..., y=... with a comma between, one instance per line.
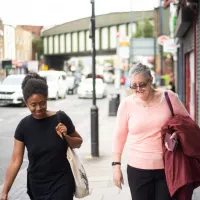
x=118, y=177
x=4, y=196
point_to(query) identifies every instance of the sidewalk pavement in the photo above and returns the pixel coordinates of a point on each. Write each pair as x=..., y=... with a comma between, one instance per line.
x=99, y=170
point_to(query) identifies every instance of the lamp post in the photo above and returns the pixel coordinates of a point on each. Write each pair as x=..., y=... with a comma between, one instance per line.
x=94, y=108
x=161, y=33
x=131, y=60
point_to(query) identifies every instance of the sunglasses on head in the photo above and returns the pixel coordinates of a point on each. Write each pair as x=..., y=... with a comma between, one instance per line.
x=141, y=85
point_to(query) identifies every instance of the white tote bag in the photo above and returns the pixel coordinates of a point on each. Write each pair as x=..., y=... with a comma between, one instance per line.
x=80, y=177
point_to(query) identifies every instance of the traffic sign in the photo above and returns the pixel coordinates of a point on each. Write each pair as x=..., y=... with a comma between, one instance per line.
x=162, y=39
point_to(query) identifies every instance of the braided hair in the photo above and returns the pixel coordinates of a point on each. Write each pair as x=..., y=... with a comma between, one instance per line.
x=33, y=83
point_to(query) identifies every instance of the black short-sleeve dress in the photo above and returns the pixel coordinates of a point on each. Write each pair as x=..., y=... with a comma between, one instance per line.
x=49, y=174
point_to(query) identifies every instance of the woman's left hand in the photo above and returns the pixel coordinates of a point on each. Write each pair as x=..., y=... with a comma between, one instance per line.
x=174, y=136
x=61, y=129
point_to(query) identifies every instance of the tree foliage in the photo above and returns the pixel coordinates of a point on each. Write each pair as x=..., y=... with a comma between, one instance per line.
x=144, y=29
x=37, y=44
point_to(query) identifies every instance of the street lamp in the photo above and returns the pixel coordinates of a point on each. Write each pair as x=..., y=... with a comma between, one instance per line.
x=161, y=33
x=131, y=59
x=94, y=108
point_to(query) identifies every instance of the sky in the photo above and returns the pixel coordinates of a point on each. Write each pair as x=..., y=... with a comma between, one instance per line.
x=53, y=12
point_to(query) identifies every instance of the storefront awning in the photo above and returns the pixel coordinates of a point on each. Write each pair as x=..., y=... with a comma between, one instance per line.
x=184, y=20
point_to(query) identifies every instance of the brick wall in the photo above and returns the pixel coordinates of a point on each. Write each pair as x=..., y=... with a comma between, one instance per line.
x=23, y=40
x=36, y=30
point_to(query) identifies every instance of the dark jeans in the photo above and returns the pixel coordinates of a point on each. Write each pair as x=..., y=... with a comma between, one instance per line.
x=147, y=184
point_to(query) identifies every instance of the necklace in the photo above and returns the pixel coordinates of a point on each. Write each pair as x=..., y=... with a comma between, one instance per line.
x=148, y=100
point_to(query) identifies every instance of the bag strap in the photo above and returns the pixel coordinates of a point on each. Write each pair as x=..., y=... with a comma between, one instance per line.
x=58, y=114
x=169, y=103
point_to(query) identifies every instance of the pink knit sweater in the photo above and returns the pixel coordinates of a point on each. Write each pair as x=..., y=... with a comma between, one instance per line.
x=144, y=126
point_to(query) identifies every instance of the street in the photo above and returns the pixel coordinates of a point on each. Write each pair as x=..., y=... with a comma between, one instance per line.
x=99, y=170
x=10, y=116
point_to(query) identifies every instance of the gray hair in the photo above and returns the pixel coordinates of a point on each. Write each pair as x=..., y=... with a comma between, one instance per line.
x=140, y=68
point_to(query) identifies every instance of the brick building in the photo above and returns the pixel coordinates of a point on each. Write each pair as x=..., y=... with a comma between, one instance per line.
x=23, y=44
x=35, y=30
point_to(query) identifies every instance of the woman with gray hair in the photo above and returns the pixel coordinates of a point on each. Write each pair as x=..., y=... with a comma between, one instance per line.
x=142, y=115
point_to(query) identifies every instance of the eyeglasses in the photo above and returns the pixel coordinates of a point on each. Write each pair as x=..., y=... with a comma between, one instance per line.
x=141, y=85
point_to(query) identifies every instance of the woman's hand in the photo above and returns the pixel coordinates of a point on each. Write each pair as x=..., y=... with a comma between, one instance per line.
x=4, y=196
x=61, y=129
x=172, y=137
x=118, y=177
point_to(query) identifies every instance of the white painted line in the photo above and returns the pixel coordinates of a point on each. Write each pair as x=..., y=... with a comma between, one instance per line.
x=1, y=120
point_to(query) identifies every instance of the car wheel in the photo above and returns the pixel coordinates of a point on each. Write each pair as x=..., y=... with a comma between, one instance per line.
x=105, y=94
x=65, y=96
x=75, y=90
x=23, y=104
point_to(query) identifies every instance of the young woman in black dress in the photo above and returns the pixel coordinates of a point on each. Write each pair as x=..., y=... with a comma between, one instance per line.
x=49, y=176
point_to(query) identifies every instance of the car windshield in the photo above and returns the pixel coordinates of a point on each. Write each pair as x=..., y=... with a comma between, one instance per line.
x=13, y=81
x=89, y=81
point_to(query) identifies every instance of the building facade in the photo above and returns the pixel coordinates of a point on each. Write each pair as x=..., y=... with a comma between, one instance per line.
x=9, y=42
x=1, y=41
x=186, y=32
x=198, y=62
x=187, y=27
x=23, y=44
x=35, y=30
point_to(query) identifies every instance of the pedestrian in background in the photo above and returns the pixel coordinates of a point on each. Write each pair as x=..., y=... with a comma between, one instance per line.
x=172, y=86
x=142, y=115
x=49, y=176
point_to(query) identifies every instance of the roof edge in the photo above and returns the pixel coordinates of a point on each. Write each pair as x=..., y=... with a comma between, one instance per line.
x=89, y=17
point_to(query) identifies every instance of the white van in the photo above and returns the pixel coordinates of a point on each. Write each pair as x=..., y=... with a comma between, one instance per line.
x=57, y=84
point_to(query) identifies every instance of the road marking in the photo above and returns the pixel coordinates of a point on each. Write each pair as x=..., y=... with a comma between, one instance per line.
x=1, y=120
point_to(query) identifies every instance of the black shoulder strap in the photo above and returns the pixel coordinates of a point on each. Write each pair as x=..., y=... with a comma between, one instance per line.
x=58, y=113
x=169, y=103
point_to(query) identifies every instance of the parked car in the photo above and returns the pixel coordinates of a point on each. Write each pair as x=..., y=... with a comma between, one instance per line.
x=85, y=89
x=57, y=83
x=10, y=90
x=97, y=76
